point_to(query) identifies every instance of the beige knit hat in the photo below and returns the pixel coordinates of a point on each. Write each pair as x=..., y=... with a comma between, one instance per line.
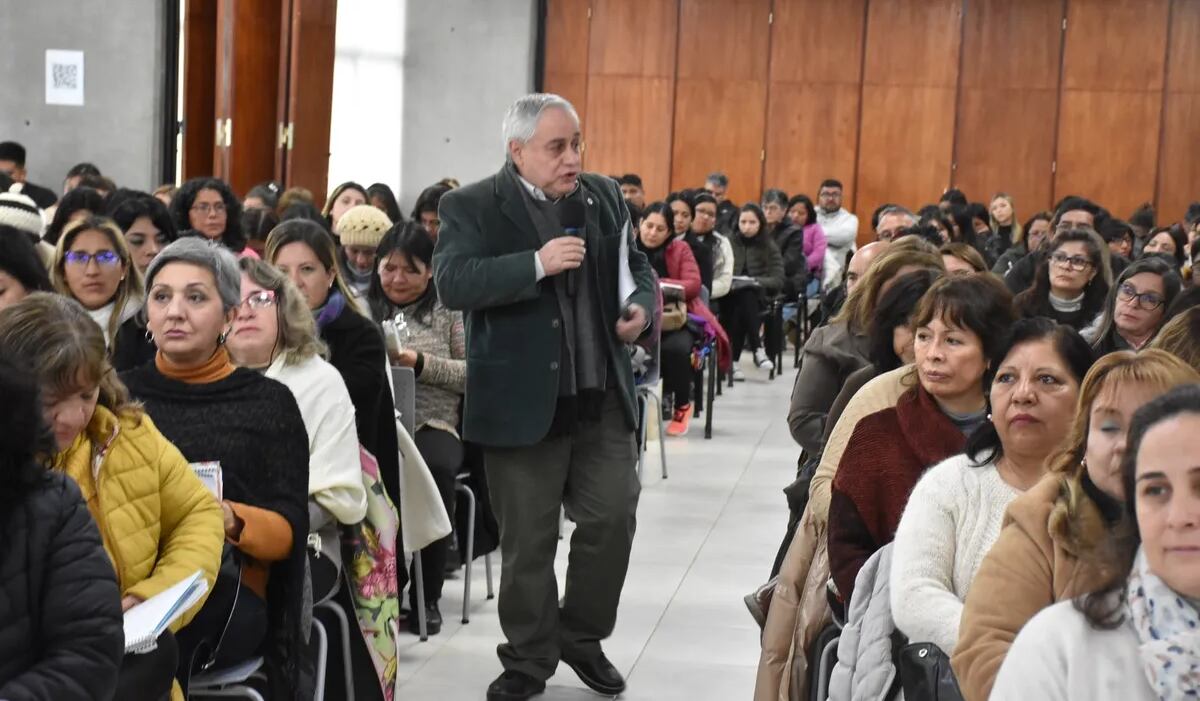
x=363, y=225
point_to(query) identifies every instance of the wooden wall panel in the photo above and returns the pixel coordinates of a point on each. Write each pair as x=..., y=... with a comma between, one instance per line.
x=721, y=94
x=1110, y=114
x=813, y=95
x=199, y=87
x=1108, y=148
x=1178, y=166
x=910, y=77
x=566, y=51
x=1008, y=101
x=631, y=90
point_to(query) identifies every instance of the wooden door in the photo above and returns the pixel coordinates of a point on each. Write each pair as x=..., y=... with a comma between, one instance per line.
x=721, y=94
x=1111, y=109
x=199, y=87
x=247, y=70
x=813, y=95
x=1008, y=101
x=910, y=78
x=308, y=67
x=1178, y=167
x=630, y=91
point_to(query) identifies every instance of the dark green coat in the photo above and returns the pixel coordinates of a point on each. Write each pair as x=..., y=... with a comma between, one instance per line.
x=484, y=266
x=760, y=259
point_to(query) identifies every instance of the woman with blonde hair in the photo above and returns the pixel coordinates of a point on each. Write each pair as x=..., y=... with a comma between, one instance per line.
x=93, y=266
x=158, y=522
x=1181, y=337
x=1006, y=230
x=1047, y=549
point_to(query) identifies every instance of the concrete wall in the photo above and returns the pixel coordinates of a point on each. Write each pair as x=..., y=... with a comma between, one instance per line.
x=118, y=127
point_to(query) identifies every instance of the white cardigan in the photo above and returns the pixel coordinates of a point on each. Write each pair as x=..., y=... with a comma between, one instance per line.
x=1058, y=656
x=334, y=469
x=952, y=519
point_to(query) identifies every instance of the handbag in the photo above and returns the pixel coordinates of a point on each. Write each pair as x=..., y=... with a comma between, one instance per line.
x=925, y=673
x=674, y=316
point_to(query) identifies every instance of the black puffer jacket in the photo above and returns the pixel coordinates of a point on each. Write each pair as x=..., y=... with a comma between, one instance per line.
x=61, y=634
x=758, y=257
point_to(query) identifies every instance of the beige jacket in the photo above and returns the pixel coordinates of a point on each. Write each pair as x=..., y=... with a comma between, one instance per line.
x=799, y=608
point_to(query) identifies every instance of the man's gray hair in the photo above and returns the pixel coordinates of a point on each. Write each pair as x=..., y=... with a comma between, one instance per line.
x=521, y=119
x=897, y=209
x=206, y=254
x=719, y=179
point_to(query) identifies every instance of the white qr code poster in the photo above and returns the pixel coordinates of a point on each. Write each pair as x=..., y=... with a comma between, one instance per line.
x=64, y=77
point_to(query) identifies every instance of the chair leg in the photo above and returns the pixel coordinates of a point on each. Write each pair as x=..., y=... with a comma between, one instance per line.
x=487, y=569
x=466, y=616
x=322, y=659
x=644, y=406
x=562, y=522
x=344, y=629
x=712, y=383
x=422, y=626
x=662, y=443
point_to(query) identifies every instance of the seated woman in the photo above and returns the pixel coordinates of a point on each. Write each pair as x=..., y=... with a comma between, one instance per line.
x=1181, y=336
x=803, y=215
x=673, y=263
x=92, y=265
x=273, y=332
x=61, y=618
x=207, y=207
x=889, y=339
x=681, y=227
x=304, y=251
x=342, y=199
x=1136, y=306
x=1168, y=242
x=146, y=222
x=251, y=427
x=704, y=225
x=1070, y=286
x=1048, y=546
x=80, y=203
x=960, y=328
x=834, y=351
x=360, y=229
x=961, y=258
x=436, y=351
x=954, y=513
x=158, y=521
x=1134, y=637
x=758, y=276
x=1035, y=231
x=21, y=270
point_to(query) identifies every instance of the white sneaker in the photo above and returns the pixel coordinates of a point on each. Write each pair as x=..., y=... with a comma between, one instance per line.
x=762, y=361
x=738, y=375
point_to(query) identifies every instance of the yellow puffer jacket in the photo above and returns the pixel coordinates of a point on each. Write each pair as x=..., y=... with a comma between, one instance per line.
x=158, y=520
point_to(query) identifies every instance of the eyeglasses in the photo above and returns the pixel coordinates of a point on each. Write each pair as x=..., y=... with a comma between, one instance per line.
x=1144, y=300
x=1076, y=263
x=103, y=258
x=259, y=300
x=206, y=208
x=1071, y=226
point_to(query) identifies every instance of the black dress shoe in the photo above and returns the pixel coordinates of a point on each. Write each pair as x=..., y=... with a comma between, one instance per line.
x=599, y=674
x=514, y=686
x=433, y=620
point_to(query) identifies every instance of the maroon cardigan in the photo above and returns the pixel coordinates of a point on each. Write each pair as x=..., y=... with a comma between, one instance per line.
x=886, y=455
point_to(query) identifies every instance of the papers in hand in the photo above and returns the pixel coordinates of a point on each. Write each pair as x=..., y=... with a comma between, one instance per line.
x=210, y=474
x=146, y=621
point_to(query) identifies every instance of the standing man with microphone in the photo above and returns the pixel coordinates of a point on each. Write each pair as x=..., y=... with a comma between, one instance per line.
x=550, y=391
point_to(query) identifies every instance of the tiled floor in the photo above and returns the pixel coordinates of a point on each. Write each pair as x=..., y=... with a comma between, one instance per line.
x=706, y=537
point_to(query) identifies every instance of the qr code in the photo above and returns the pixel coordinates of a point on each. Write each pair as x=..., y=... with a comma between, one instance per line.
x=66, y=76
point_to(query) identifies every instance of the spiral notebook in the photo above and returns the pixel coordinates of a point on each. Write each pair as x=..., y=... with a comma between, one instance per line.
x=146, y=621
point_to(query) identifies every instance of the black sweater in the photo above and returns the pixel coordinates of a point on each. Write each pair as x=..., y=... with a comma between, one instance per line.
x=60, y=608
x=252, y=426
x=356, y=350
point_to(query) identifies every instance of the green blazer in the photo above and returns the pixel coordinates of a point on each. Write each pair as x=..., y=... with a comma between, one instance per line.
x=483, y=265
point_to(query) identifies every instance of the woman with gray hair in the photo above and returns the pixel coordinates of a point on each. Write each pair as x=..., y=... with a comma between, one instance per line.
x=249, y=428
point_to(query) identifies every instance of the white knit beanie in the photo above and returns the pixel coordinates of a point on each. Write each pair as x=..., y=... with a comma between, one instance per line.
x=20, y=212
x=363, y=225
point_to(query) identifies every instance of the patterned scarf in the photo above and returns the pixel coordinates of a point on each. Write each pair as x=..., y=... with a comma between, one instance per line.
x=1168, y=627
x=331, y=310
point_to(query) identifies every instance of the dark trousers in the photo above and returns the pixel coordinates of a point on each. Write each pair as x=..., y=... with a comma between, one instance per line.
x=741, y=315
x=589, y=471
x=444, y=455
x=675, y=365
x=150, y=675
x=247, y=628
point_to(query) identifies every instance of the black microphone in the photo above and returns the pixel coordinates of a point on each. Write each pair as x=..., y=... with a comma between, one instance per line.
x=572, y=215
